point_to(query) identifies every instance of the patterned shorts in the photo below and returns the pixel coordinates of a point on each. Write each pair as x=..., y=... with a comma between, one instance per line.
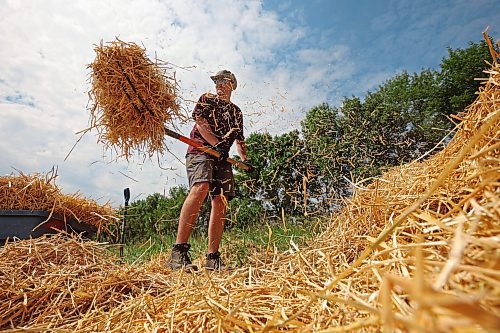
x=204, y=168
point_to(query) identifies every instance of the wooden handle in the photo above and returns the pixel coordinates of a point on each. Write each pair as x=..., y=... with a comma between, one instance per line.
x=205, y=149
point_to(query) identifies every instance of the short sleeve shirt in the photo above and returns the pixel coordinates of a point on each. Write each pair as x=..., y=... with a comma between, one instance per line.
x=225, y=120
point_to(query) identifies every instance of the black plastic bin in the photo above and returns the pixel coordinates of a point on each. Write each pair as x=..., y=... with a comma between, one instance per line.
x=24, y=224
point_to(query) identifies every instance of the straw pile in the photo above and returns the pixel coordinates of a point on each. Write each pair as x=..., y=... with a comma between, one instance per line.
x=39, y=192
x=132, y=98
x=33, y=292
x=416, y=251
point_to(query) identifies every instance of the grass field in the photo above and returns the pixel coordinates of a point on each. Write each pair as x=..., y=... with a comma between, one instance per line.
x=236, y=246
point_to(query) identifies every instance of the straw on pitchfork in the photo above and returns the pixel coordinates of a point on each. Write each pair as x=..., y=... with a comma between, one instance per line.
x=133, y=98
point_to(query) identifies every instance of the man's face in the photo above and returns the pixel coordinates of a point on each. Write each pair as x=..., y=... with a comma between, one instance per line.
x=223, y=86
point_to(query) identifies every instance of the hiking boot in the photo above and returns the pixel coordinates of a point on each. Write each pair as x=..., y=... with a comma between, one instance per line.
x=180, y=258
x=214, y=262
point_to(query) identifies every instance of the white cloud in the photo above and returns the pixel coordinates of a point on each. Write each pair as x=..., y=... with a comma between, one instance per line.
x=46, y=46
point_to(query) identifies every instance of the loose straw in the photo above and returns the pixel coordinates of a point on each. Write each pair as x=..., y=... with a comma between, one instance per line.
x=132, y=99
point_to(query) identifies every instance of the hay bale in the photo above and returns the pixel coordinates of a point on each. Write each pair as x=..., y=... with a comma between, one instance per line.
x=132, y=99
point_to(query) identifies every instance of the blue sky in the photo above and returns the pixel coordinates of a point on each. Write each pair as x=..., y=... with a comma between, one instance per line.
x=385, y=37
x=288, y=56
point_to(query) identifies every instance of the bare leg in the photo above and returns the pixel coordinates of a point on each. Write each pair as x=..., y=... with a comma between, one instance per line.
x=190, y=210
x=216, y=226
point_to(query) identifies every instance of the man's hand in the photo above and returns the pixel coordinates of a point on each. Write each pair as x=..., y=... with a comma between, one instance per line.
x=251, y=168
x=223, y=155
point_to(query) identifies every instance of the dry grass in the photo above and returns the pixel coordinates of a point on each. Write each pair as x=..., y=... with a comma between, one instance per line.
x=416, y=251
x=39, y=192
x=132, y=99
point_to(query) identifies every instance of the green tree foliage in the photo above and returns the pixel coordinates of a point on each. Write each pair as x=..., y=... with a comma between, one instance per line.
x=394, y=124
x=157, y=215
x=328, y=169
x=409, y=114
x=244, y=212
x=402, y=119
x=458, y=73
x=281, y=170
x=154, y=216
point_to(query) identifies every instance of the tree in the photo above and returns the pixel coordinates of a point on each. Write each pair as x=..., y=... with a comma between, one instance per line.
x=458, y=76
x=404, y=114
x=244, y=212
x=327, y=169
x=281, y=166
x=157, y=215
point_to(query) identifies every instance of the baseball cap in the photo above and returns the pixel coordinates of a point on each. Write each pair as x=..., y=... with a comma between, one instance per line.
x=225, y=74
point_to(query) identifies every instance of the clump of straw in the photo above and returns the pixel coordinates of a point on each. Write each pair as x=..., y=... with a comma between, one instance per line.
x=87, y=279
x=132, y=99
x=39, y=192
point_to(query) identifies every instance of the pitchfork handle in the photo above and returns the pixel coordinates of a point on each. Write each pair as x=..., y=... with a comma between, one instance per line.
x=204, y=149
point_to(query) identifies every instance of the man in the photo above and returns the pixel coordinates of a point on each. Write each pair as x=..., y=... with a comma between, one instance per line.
x=219, y=123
